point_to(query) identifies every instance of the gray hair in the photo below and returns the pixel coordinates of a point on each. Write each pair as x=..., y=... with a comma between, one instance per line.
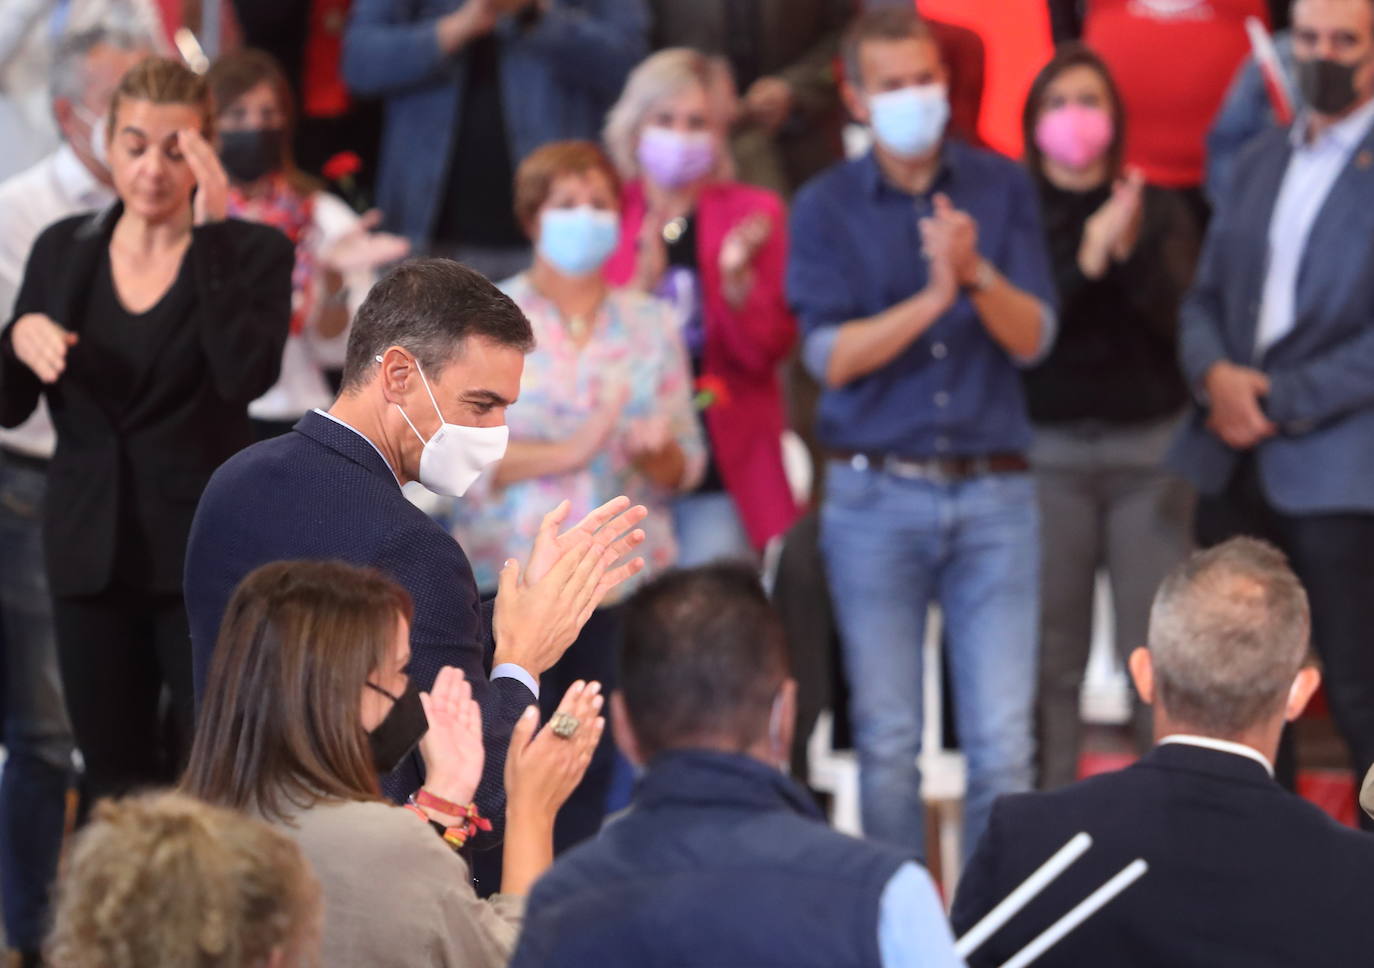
x=659, y=76
x=68, y=78
x=1229, y=629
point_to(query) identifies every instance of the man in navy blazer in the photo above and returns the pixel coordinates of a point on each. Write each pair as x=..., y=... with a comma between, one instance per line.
x=433, y=345
x=1242, y=874
x=1277, y=342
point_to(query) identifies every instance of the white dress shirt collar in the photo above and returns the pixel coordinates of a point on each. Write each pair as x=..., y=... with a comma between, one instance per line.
x=365, y=437
x=1221, y=746
x=75, y=181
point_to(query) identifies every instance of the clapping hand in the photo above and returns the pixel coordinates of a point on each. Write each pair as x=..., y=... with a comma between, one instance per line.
x=769, y=102
x=363, y=250
x=612, y=526
x=41, y=345
x=1110, y=232
x=648, y=436
x=949, y=241
x=543, y=769
x=452, y=748
x=212, y=184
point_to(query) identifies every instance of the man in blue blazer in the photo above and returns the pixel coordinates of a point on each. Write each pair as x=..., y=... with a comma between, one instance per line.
x=1277, y=342
x=434, y=359
x=1242, y=874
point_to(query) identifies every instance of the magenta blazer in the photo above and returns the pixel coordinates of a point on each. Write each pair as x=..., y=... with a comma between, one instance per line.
x=744, y=349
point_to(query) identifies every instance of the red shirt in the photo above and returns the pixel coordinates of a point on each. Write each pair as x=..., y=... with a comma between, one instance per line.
x=1173, y=60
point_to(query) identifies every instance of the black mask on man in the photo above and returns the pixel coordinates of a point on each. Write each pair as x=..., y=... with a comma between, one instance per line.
x=1327, y=86
x=250, y=154
x=397, y=735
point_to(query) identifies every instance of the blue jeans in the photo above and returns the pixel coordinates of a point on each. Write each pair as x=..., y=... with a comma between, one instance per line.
x=708, y=528
x=37, y=735
x=892, y=545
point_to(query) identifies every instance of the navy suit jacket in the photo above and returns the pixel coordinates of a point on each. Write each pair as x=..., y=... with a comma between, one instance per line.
x=324, y=492
x=1322, y=372
x=1242, y=873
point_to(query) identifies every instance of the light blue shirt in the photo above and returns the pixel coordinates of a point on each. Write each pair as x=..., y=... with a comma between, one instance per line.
x=506, y=670
x=1312, y=170
x=913, y=931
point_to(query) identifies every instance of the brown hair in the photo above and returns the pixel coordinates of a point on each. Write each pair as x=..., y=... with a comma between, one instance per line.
x=236, y=73
x=535, y=177
x=1066, y=57
x=161, y=80
x=165, y=879
x=880, y=23
x=280, y=724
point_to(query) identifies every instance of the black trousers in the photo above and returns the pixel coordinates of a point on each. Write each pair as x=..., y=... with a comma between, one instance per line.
x=1333, y=555
x=125, y=659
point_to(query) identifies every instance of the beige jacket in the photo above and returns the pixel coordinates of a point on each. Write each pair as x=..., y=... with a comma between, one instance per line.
x=396, y=895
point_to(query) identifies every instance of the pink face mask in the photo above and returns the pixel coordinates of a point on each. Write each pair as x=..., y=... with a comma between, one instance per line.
x=1075, y=136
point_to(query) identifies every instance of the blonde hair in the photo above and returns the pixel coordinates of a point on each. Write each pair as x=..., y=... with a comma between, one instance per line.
x=161, y=80
x=164, y=879
x=662, y=75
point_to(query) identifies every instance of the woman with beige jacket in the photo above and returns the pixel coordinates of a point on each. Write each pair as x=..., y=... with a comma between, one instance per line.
x=308, y=701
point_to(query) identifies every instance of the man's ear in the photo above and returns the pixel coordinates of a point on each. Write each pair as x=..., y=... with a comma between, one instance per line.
x=396, y=370
x=1142, y=668
x=787, y=716
x=854, y=101
x=623, y=732
x=1305, y=684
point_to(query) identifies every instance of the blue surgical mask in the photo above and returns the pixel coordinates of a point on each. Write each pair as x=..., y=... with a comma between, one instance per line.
x=910, y=121
x=578, y=241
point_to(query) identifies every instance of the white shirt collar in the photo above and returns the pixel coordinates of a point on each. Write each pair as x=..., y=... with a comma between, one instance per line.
x=365, y=437
x=76, y=182
x=1221, y=746
x=1346, y=133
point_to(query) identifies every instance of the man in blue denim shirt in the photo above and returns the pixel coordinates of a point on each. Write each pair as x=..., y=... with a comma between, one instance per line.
x=471, y=87
x=920, y=277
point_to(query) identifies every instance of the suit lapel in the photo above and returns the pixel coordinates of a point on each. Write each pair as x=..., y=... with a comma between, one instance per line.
x=89, y=240
x=1261, y=198
x=1337, y=226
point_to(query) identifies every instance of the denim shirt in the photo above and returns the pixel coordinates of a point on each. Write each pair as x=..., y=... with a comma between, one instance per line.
x=559, y=76
x=856, y=251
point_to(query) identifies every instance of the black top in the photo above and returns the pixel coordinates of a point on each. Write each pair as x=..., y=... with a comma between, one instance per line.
x=149, y=405
x=479, y=202
x=126, y=344
x=682, y=256
x=1115, y=358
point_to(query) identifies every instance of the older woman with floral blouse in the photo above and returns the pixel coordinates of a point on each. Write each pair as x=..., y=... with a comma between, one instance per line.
x=605, y=409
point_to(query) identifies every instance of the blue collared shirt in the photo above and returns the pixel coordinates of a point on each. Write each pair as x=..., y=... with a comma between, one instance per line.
x=856, y=251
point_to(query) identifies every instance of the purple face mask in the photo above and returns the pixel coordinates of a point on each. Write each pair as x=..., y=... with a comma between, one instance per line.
x=673, y=159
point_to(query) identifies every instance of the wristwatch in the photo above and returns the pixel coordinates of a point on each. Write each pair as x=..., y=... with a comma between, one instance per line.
x=984, y=277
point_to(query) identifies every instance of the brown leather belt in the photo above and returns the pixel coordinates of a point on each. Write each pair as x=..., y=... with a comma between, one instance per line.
x=934, y=468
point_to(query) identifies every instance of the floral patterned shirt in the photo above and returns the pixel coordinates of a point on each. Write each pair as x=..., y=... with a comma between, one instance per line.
x=636, y=344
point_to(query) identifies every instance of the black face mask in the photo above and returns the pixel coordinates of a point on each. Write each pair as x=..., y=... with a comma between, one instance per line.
x=397, y=735
x=252, y=153
x=1327, y=86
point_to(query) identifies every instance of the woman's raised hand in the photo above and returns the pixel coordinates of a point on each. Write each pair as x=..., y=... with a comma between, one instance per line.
x=212, y=184
x=452, y=747
x=543, y=770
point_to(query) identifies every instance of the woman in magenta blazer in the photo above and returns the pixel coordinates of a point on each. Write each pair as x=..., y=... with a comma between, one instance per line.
x=715, y=249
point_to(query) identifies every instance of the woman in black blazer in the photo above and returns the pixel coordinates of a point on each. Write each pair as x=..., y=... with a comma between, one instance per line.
x=149, y=327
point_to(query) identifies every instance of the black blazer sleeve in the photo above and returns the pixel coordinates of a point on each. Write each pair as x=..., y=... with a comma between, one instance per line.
x=19, y=386
x=243, y=275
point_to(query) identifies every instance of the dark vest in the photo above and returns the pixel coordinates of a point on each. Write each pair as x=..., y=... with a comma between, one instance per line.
x=721, y=862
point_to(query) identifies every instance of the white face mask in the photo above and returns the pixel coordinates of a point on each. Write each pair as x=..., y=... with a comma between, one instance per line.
x=456, y=455
x=100, y=149
x=911, y=120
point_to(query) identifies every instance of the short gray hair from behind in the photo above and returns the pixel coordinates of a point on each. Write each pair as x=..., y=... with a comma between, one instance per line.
x=1229, y=630
x=67, y=78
